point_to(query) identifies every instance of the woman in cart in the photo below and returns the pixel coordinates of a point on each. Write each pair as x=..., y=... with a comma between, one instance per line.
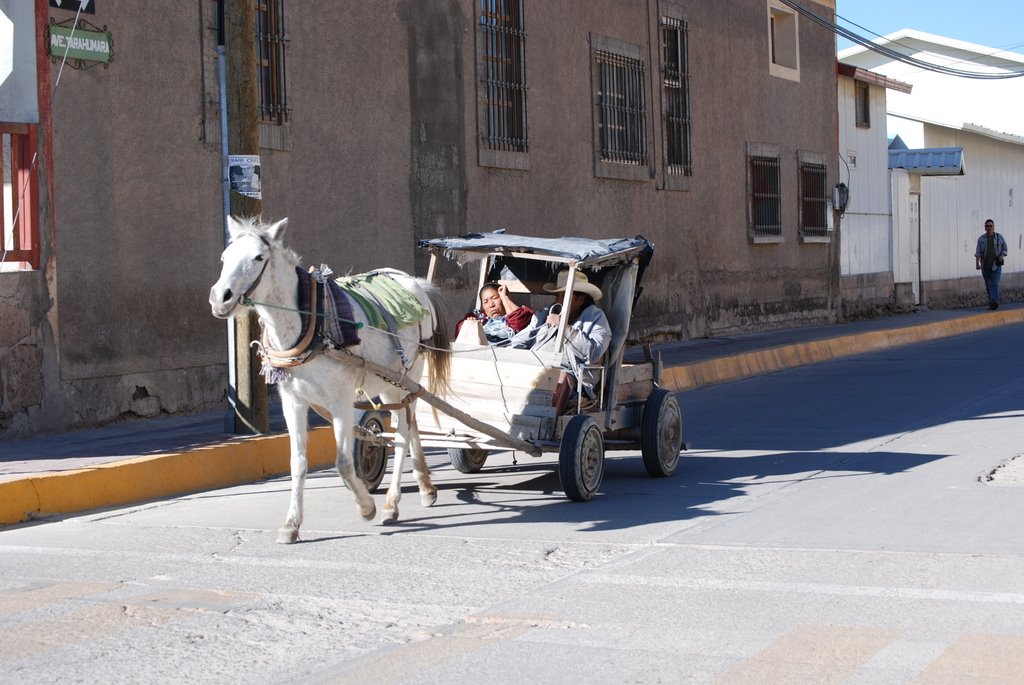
x=500, y=317
x=587, y=336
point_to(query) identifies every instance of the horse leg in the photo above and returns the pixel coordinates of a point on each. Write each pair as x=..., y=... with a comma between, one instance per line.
x=295, y=415
x=394, y=494
x=346, y=468
x=428, y=493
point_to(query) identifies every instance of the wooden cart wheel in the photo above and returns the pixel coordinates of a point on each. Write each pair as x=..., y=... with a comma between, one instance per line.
x=467, y=460
x=370, y=460
x=581, y=458
x=661, y=433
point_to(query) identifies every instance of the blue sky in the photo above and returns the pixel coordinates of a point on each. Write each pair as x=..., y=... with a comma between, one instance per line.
x=994, y=23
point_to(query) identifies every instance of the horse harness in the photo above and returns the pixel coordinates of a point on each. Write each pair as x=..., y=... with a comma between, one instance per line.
x=328, y=325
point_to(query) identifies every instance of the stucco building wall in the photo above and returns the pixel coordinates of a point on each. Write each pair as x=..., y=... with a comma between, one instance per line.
x=381, y=149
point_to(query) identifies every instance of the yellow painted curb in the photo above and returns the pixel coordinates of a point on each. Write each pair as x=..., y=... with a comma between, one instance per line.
x=722, y=370
x=153, y=477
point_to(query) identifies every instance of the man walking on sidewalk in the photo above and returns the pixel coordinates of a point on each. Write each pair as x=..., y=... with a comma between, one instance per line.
x=988, y=257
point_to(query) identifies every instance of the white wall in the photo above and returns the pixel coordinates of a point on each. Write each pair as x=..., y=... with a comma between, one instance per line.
x=954, y=208
x=901, y=188
x=865, y=242
x=993, y=103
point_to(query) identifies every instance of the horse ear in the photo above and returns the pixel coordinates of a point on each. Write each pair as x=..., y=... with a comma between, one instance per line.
x=234, y=227
x=276, y=231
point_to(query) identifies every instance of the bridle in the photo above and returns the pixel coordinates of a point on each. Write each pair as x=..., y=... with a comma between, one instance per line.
x=255, y=284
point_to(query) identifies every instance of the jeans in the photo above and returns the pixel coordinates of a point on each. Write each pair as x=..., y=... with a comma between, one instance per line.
x=991, y=277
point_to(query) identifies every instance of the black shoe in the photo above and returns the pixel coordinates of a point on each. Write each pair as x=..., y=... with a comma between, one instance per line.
x=993, y=305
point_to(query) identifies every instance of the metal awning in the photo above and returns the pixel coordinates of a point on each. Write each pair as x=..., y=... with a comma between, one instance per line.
x=860, y=74
x=929, y=161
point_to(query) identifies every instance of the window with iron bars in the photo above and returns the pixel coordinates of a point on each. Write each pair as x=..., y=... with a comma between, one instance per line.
x=765, y=197
x=622, y=117
x=271, y=82
x=814, y=199
x=676, y=84
x=503, y=76
x=19, y=220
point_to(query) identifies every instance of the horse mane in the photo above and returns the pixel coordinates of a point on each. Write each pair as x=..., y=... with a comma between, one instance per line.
x=254, y=226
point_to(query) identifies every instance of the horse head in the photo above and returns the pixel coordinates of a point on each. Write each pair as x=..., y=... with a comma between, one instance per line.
x=245, y=260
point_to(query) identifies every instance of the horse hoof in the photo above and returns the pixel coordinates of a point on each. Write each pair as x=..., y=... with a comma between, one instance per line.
x=369, y=514
x=287, y=536
x=389, y=516
x=428, y=499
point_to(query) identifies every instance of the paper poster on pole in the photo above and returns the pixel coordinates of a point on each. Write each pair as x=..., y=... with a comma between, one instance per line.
x=245, y=175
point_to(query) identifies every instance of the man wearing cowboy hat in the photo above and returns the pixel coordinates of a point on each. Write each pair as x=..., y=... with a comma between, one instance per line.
x=586, y=338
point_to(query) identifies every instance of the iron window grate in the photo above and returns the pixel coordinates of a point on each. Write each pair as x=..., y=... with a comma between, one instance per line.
x=271, y=39
x=503, y=78
x=813, y=200
x=765, y=196
x=621, y=111
x=676, y=84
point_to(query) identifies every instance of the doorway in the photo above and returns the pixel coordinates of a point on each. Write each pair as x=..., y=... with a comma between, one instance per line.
x=915, y=246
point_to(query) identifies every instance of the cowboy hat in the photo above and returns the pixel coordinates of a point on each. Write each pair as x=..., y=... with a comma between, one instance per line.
x=580, y=284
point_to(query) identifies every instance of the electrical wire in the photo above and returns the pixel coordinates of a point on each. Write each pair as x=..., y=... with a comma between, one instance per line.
x=994, y=53
x=999, y=50
x=883, y=49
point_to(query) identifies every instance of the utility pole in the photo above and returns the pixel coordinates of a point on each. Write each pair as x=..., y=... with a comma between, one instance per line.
x=238, y=20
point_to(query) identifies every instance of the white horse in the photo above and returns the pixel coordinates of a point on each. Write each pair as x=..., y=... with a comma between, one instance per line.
x=260, y=272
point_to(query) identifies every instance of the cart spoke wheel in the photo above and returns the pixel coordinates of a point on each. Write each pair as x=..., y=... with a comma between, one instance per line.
x=581, y=459
x=371, y=460
x=467, y=460
x=661, y=433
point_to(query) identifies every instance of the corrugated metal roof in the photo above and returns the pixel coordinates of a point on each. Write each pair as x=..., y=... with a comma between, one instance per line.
x=929, y=161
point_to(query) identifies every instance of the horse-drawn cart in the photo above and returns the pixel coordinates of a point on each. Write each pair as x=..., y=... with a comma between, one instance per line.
x=500, y=399
x=327, y=342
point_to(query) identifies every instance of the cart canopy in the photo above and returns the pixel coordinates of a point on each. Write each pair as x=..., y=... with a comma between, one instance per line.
x=587, y=252
x=619, y=264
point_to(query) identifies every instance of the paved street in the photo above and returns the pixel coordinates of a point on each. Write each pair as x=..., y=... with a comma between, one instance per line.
x=832, y=523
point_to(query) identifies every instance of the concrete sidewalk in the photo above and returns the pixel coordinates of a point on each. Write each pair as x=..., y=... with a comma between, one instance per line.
x=156, y=458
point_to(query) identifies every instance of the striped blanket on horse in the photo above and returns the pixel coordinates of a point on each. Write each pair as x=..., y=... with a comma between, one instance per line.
x=385, y=303
x=326, y=307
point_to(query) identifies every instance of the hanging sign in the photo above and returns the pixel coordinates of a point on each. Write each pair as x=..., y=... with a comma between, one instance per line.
x=245, y=175
x=90, y=46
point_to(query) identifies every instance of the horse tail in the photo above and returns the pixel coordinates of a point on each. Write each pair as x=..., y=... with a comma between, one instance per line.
x=440, y=340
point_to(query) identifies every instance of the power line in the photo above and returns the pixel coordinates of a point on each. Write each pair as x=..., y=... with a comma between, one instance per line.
x=894, y=54
x=999, y=49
